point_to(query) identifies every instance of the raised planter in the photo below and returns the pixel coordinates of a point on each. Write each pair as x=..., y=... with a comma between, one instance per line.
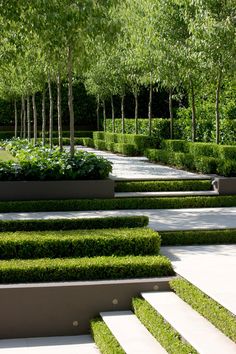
x=225, y=185
x=38, y=190
x=54, y=309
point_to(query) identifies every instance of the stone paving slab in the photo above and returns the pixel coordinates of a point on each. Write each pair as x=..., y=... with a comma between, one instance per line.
x=49, y=345
x=164, y=194
x=210, y=268
x=139, y=168
x=159, y=219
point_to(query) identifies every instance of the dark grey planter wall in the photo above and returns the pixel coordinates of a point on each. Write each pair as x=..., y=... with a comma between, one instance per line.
x=225, y=185
x=54, y=309
x=38, y=190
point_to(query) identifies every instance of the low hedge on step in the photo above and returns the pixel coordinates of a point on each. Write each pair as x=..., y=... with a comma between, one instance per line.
x=71, y=269
x=73, y=223
x=219, y=316
x=119, y=203
x=104, y=339
x=198, y=237
x=159, y=186
x=166, y=335
x=83, y=243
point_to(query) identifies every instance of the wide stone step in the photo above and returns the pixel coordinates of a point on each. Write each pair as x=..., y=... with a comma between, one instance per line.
x=50, y=345
x=194, y=328
x=165, y=194
x=133, y=337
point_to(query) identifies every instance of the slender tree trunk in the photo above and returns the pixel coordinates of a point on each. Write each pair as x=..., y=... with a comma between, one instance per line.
x=97, y=112
x=24, y=117
x=28, y=118
x=35, y=119
x=50, y=112
x=123, y=114
x=104, y=116
x=217, y=107
x=59, y=111
x=150, y=106
x=112, y=114
x=16, y=118
x=171, y=114
x=21, y=120
x=136, y=111
x=70, y=102
x=193, y=112
x=43, y=119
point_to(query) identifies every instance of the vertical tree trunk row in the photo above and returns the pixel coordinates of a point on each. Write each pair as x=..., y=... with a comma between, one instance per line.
x=171, y=115
x=112, y=114
x=28, y=118
x=104, y=115
x=35, y=119
x=43, y=118
x=217, y=107
x=150, y=107
x=136, y=111
x=70, y=102
x=193, y=112
x=59, y=115
x=97, y=112
x=16, y=119
x=123, y=114
x=50, y=112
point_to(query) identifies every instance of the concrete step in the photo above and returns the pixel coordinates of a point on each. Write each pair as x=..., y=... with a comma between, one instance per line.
x=133, y=337
x=82, y=344
x=165, y=194
x=194, y=328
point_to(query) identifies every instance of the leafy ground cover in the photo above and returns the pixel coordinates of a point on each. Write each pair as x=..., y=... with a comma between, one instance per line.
x=220, y=317
x=6, y=156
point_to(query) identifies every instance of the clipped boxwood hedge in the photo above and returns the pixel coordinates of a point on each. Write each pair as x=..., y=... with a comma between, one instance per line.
x=73, y=223
x=71, y=269
x=119, y=203
x=159, y=186
x=219, y=316
x=83, y=243
x=164, y=333
x=175, y=145
x=104, y=339
x=198, y=237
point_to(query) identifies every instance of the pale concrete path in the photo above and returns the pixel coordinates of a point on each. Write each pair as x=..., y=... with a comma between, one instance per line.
x=50, y=345
x=125, y=167
x=210, y=268
x=159, y=219
x=194, y=328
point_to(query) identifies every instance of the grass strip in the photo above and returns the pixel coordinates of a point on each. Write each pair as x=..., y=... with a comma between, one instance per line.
x=82, y=243
x=118, y=204
x=219, y=316
x=198, y=237
x=97, y=268
x=104, y=339
x=163, y=186
x=74, y=223
x=160, y=329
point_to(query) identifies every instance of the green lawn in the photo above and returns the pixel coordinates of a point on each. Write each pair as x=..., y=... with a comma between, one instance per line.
x=5, y=156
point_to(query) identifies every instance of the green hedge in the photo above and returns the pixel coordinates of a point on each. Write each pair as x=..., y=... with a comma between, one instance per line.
x=99, y=144
x=65, y=141
x=126, y=149
x=160, y=127
x=160, y=329
x=73, y=223
x=97, y=268
x=160, y=186
x=206, y=164
x=104, y=338
x=7, y=135
x=119, y=203
x=66, y=134
x=87, y=142
x=226, y=168
x=175, y=145
x=178, y=159
x=227, y=152
x=60, y=244
x=220, y=317
x=198, y=237
x=204, y=149
x=98, y=135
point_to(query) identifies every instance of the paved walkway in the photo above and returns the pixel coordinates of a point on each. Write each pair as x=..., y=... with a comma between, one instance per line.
x=210, y=268
x=159, y=219
x=135, y=168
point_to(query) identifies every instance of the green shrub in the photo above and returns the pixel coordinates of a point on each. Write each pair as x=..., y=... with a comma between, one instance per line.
x=162, y=186
x=87, y=142
x=71, y=269
x=73, y=224
x=175, y=145
x=110, y=147
x=119, y=203
x=104, y=338
x=83, y=243
x=158, y=155
x=182, y=160
x=126, y=149
x=226, y=168
x=198, y=237
x=227, y=152
x=205, y=164
x=98, y=136
x=204, y=149
x=111, y=137
x=66, y=134
x=219, y=316
x=99, y=144
x=160, y=329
